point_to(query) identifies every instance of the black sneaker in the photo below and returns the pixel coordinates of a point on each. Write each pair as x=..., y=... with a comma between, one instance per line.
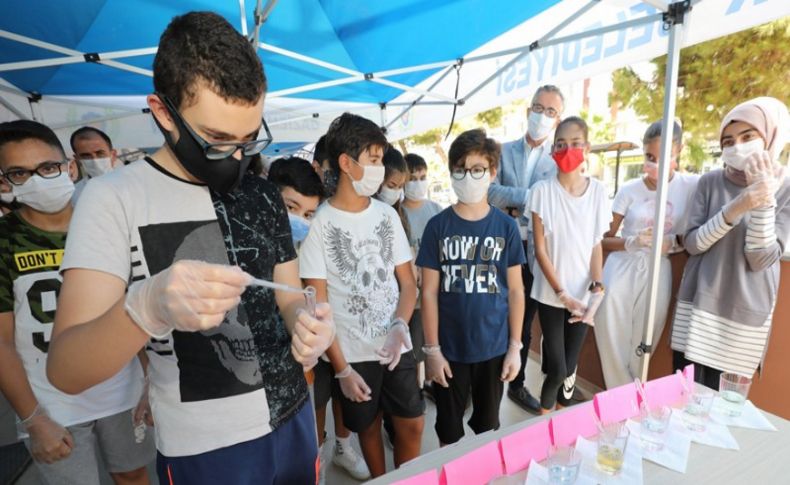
x=524, y=399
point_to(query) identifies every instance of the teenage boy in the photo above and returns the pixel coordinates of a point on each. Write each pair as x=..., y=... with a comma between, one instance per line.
x=64, y=433
x=472, y=294
x=185, y=230
x=358, y=258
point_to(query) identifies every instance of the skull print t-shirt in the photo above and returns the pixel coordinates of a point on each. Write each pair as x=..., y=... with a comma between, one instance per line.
x=227, y=385
x=356, y=253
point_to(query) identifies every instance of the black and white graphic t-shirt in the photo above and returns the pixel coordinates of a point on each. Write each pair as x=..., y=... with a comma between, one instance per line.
x=356, y=253
x=219, y=387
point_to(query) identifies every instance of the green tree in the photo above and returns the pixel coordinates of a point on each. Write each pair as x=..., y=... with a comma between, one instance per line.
x=714, y=76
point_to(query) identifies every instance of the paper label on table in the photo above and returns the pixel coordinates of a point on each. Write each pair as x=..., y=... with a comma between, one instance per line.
x=575, y=421
x=715, y=434
x=630, y=474
x=675, y=453
x=530, y=443
x=665, y=391
x=617, y=404
x=476, y=467
x=751, y=417
x=539, y=475
x=428, y=478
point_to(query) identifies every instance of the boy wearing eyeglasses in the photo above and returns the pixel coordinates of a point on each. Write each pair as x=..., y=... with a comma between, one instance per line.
x=472, y=294
x=63, y=432
x=167, y=249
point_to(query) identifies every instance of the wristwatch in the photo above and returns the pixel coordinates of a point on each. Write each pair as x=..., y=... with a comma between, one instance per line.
x=594, y=285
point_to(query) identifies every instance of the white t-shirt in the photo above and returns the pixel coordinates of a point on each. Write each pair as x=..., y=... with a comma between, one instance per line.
x=29, y=287
x=572, y=227
x=224, y=386
x=638, y=205
x=356, y=253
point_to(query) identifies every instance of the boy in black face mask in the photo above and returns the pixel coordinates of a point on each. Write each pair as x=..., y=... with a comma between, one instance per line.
x=188, y=231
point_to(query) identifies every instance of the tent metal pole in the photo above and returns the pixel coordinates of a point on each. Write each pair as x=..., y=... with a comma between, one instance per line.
x=424, y=103
x=71, y=52
x=10, y=107
x=315, y=86
x=414, y=103
x=667, y=124
x=76, y=59
x=57, y=99
x=243, y=16
x=100, y=119
x=662, y=5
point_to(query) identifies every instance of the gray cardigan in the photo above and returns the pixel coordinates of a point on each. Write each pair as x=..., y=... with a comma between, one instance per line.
x=724, y=276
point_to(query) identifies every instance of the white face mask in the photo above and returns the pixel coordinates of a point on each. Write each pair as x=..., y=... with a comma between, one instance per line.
x=96, y=166
x=416, y=189
x=389, y=196
x=539, y=126
x=7, y=197
x=45, y=195
x=372, y=178
x=736, y=155
x=469, y=190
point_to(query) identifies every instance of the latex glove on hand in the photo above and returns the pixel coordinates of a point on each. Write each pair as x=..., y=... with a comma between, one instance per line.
x=49, y=441
x=512, y=363
x=573, y=305
x=397, y=338
x=759, y=194
x=592, y=307
x=312, y=335
x=189, y=296
x=643, y=240
x=353, y=385
x=437, y=369
x=142, y=412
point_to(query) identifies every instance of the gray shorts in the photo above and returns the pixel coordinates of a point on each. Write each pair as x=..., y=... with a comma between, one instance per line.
x=112, y=438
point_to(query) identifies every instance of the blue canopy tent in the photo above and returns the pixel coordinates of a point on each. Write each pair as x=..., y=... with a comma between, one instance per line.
x=408, y=64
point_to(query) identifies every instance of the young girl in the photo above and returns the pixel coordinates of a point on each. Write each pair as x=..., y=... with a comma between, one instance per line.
x=739, y=225
x=569, y=218
x=396, y=174
x=621, y=319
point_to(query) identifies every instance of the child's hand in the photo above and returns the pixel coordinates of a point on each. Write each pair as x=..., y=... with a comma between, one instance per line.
x=512, y=362
x=589, y=315
x=312, y=335
x=397, y=338
x=437, y=369
x=353, y=385
x=573, y=305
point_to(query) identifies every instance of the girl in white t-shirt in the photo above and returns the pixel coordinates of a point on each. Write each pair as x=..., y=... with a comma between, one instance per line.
x=570, y=214
x=621, y=320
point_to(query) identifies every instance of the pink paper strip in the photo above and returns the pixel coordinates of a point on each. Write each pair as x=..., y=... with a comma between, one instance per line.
x=573, y=422
x=428, y=478
x=617, y=404
x=530, y=443
x=477, y=467
x=668, y=390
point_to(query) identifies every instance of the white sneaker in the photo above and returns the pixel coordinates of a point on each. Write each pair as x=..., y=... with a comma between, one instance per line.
x=348, y=459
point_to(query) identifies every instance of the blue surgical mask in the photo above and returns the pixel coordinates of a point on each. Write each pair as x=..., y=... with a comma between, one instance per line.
x=299, y=228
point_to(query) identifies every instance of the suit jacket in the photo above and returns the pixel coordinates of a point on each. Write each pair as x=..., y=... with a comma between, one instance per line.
x=510, y=187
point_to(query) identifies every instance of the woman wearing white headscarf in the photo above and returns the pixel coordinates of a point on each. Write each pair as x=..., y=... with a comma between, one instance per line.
x=739, y=225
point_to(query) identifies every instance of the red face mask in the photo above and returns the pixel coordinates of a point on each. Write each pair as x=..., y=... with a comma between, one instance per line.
x=568, y=159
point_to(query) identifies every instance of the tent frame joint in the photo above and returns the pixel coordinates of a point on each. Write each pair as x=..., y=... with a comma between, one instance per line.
x=534, y=46
x=368, y=76
x=676, y=14
x=34, y=97
x=643, y=349
x=92, y=57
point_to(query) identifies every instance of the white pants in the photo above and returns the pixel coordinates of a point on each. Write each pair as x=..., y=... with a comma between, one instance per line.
x=621, y=319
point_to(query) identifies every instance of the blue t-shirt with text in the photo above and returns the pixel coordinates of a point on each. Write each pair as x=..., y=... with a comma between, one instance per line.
x=472, y=258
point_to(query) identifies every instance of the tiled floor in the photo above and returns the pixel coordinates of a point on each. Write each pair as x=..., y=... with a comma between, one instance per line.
x=509, y=414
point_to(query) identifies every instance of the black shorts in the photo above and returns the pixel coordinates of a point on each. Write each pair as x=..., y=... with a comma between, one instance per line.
x=482, y=380
x=393, y=392
x=417, y=337
x=323, y=390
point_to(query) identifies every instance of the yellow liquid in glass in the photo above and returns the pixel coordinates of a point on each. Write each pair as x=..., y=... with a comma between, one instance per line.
x=610, y=459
